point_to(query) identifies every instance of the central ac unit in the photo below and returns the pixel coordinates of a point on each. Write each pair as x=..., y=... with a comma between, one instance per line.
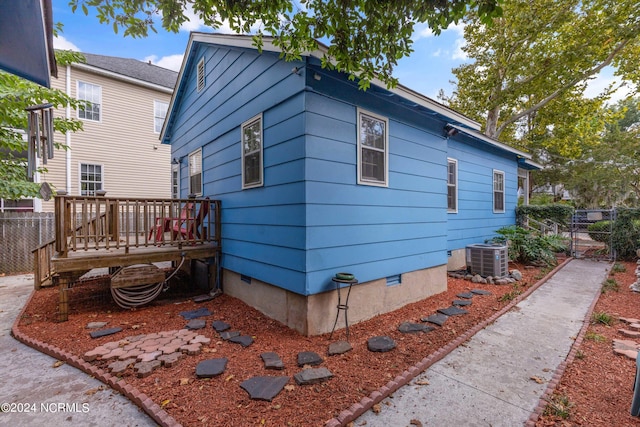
x=487, y=260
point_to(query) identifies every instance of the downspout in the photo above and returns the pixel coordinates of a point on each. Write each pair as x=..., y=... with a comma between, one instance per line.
x=68, y=133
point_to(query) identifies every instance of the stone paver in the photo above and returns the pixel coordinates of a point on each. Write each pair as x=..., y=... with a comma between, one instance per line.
x=452, y=311
x=264, y=388
x=436, y=319
x=381, y=344
x=104, y=332
x=312, y=376
x=211, y=368
x=272, y=360
x=309, y=358
x=194, y=314
x=169, y=360
x=243, y=340
x=339, y=347
x=220, y=326
x=196, y=324
x=414, y=328
x=144, y=369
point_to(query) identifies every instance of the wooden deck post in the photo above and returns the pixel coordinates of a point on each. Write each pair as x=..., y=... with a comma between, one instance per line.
x=64, y=281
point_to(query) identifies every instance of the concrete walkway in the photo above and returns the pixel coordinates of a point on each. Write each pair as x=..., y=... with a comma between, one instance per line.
x=42, y=395
x=498, y=377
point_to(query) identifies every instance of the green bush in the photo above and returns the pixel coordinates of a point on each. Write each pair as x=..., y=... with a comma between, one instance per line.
x=600, y=231
x=556, y=212
x=625, y=235
x=528, y=247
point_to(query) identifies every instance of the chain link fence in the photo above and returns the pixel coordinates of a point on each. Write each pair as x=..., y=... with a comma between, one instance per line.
x=21, y=233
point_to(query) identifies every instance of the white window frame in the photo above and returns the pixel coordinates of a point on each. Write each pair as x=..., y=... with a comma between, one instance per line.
x=80, y=180
x=201, y=79
x=453, y=185
x=96, y=88
x=175, y=181
x=195, y=168
x=364, y=180
x=259, y=151
x=497, y=190
x=157, y=116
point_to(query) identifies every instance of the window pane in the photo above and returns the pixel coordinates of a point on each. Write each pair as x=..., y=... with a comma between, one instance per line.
x=372, y=167
x=372, y=132
x=195, y=173
x=451, y=198
x=93, y=95
x=90, y=179
x=252, y=140
x=252, y=169
x=499, y=201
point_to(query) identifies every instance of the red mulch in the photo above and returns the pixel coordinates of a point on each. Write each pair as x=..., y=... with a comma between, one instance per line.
x=221, y=402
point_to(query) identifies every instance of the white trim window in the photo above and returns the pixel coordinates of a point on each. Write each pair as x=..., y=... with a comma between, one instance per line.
x=159, y=113
x=452, y=185
x=175, y=181
x=92, y=94
x=252, y=150
x=373, y=153
x=201, y=80
x=498, y=191
x=195, y=173
x=91, y=179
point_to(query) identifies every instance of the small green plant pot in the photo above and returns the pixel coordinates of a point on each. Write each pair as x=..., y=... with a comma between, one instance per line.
x=344, y=276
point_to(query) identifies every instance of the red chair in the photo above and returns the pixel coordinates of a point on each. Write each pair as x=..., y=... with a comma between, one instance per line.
x=165, y=224
x=190, y=228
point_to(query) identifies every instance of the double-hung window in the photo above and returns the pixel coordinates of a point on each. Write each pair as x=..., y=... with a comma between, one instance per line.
x=175, y=181
x=498, y=191
x=92, y=95
x=373, y=154
x=452, y=185
x=252, y=152
x=195, y=173
x=91, y=179
x=159, y=113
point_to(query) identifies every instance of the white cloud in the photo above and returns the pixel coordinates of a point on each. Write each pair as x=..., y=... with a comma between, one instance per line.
x=602, y=81
x=171, y=62
x=61, y=43
x=437, y=53
x=458, y=53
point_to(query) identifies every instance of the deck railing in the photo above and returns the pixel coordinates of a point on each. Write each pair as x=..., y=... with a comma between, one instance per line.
x=91, y=223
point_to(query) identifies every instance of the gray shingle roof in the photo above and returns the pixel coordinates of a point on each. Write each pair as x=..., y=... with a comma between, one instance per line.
x=134, y=68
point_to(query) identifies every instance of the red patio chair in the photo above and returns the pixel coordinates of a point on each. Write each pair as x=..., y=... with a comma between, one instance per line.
x=165, y=224
x=191, y=228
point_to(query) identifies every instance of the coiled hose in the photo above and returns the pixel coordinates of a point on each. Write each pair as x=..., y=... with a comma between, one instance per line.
x=135, y=296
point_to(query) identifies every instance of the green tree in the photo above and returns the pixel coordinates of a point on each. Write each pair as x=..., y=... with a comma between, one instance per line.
x=540, y=55
x=16, y=94
x=367, y=38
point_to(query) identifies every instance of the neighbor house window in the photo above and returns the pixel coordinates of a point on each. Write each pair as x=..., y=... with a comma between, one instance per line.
x=195, y=173
x=452, y=185
x=373, y=136
x=159, y=113
x=252, y=152
x=498, y=191
x=92, y=94
x=201, y=79
x=175, y=181
x=91, y=179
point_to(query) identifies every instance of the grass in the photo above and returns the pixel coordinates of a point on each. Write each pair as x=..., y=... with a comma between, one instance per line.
x=618, y=268
x=509, y=296
x=610, y=285
x=558, y=406
x=602, y=318
x=580, y=355
x=592, y=336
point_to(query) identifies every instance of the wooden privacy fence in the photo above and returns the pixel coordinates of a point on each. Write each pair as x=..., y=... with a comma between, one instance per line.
x=20, y=234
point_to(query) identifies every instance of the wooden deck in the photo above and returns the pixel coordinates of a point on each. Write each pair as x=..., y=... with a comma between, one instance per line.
x=98, y=232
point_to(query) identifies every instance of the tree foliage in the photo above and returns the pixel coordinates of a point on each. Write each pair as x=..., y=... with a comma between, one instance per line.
x=531, y=67
x=16, y=94
x=366, y=38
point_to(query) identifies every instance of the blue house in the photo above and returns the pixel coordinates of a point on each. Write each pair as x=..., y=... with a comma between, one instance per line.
x=318, y=177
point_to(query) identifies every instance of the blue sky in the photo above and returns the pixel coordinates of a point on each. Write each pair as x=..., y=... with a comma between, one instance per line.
x=427, y=70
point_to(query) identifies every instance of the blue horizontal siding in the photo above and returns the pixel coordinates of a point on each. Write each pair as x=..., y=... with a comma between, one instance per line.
x=475, y=221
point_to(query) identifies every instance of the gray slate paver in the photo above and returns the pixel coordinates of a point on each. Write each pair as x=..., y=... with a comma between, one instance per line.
x=312, y=376
x=264, y=388
x=196, y=324
x=309, y=358
x=461, y=302
x=220, y=326
x=104, y=332
x=272, y=360
x=229, y=334
x=339, y=347
x=381, y=344
x=243, y=340
x=480, y=292
x=211, y=367
x=414, y=328
x=465, y=295
x=194, y=314
x=452, y=311
x=436, y=319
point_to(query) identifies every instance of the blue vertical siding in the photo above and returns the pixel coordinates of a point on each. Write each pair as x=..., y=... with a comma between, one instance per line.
x=475, y=220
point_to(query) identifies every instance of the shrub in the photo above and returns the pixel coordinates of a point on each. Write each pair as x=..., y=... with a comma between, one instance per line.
x=602, y=318
x=556, y=212
x=618, y=268
x=610, y=285
x=601, y=231
x=625, y=235
x=528, y=247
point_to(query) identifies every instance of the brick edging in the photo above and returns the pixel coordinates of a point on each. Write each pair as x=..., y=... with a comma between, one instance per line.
x=557, y=375
x=143, y=401
x=367, y=402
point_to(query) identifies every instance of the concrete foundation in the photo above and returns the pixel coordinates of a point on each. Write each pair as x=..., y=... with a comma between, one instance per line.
x=316, y=314
x=457, y=260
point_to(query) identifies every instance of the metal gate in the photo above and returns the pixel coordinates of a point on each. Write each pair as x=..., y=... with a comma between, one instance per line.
x=598, y=243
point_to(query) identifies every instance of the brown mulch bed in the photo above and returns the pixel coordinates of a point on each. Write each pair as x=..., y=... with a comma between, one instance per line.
x=597, y=387
x=221, y=402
